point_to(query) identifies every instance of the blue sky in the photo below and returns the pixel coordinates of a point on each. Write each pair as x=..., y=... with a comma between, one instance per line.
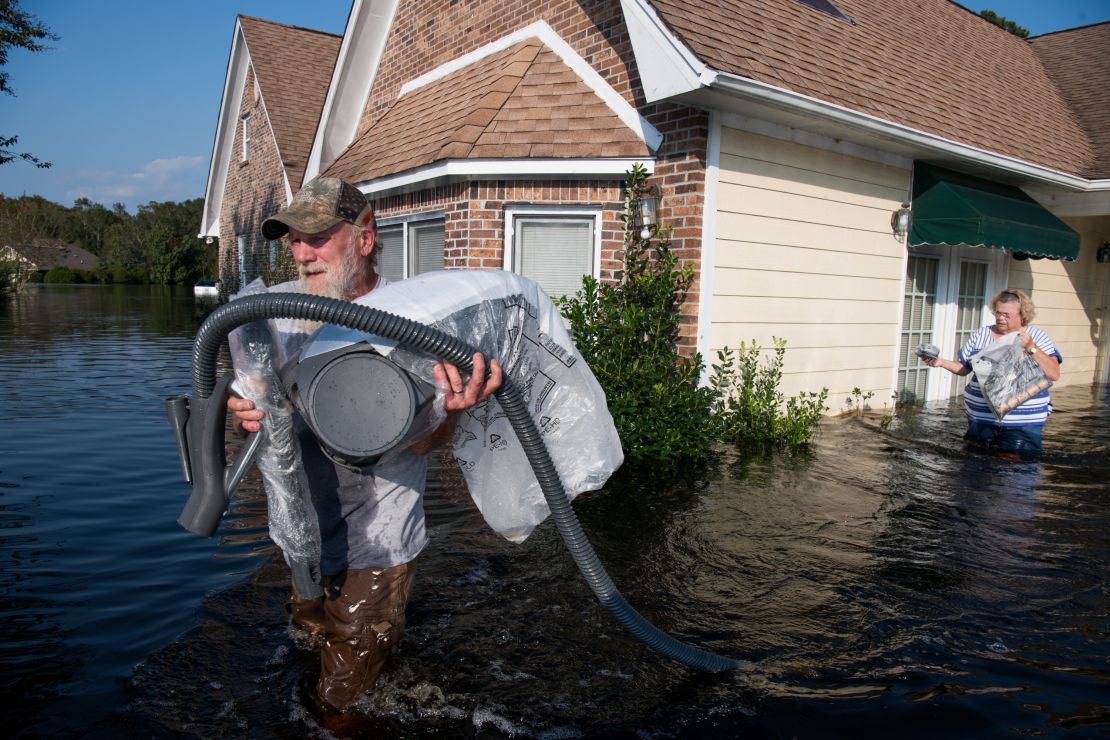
x=125, y=102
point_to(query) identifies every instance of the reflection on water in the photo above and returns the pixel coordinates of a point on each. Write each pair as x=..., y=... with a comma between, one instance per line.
x=886, y=582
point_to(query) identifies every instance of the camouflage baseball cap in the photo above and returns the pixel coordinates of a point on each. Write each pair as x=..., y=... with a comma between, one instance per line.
x=318, y=206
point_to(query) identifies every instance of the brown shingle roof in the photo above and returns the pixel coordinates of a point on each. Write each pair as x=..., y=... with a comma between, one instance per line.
x=1078, y=60
x=928, y=64
x=293, y=67
x=522, y=101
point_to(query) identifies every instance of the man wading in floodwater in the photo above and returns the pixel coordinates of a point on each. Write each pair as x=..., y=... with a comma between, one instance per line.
x=372, y=518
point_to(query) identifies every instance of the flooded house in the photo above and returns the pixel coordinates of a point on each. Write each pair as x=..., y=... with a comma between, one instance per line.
x=852, y=177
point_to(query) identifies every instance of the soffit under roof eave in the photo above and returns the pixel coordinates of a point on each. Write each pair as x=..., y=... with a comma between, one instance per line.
x=741, y=95
x=356, y=66
x=223, y=144
x=465, y=170
x=1069, y=204
x=667, y=66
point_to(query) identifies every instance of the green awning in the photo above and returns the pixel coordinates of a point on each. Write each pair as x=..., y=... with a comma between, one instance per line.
x=953, y=208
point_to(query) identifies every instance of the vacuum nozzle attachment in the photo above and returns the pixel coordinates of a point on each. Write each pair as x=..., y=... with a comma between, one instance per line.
x=198, y=425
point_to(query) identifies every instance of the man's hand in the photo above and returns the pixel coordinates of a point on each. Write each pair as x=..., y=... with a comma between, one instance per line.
x=247, y=418
x=458, y=396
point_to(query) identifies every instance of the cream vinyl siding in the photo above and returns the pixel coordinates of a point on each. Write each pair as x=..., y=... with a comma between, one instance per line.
x=1073, y=301
x=804, y=252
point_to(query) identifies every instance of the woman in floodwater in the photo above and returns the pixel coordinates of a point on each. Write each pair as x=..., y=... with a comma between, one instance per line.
x=1020, y=429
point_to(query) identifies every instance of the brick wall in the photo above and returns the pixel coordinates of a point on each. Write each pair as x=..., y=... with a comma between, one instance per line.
x=255, y=189
x=474, y=216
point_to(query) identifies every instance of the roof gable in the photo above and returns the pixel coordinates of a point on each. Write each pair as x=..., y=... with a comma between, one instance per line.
x=929, y=65
x=521, y=101
x=239, y=65
x=293, y=67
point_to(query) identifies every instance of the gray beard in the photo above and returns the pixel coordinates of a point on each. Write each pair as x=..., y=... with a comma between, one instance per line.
x=340, y=281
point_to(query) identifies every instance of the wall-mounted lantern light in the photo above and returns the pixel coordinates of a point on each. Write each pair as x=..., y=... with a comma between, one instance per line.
x=650, y=198
x=1103, y=254
x=900, y=222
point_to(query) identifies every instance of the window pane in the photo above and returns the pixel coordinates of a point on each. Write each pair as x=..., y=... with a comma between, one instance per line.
x=969, y=309
x=390, y=257
x=556, y=253
x=918, y=308
x=242, y=260
x=426, y=247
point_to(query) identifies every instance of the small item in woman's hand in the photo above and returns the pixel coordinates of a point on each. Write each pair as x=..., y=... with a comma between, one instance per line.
x=927, y=351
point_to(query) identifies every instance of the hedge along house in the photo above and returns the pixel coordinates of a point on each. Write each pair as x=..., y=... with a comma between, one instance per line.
x=276, y=82
x=785, y=137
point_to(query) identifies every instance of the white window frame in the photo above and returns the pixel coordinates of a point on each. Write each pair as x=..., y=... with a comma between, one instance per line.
x=513, y=213
x=242, y=246
x=274, y=246
x=939, y=385
x=246, y=137
x=407, y=223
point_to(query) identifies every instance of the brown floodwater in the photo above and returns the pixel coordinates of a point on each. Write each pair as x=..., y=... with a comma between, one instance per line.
x=887, y=581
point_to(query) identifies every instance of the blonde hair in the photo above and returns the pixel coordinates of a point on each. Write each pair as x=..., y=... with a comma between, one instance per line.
x=1013, y=295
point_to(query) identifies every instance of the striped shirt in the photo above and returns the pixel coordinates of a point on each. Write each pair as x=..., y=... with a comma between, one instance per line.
x=1035, y=411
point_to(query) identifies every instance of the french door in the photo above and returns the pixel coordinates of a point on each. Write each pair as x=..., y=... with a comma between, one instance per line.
x=945, y=299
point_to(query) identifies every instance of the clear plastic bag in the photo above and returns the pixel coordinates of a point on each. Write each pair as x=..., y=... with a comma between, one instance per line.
x=508, y=317
x=256, y=353
x=1008, y=375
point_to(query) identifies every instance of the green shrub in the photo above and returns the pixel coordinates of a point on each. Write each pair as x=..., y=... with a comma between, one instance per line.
x=751, y=409
x=112, y=275
x=627, y=333
x=60, y=274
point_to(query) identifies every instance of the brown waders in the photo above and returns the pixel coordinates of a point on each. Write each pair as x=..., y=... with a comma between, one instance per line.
x=307, y=614
x=364, y=615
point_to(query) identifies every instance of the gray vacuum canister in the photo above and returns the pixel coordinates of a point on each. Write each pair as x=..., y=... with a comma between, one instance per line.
x=357, y=403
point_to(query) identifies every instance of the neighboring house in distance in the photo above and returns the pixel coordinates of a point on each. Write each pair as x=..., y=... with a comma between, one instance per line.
x=784, y=135
x=43, y=254
x=276, y=82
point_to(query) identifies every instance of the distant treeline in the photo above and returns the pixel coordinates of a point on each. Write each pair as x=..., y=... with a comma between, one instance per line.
x=158, y=244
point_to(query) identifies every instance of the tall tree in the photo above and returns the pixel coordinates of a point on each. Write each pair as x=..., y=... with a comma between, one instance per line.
x=20, y=29
x=88, y=225
x=1004, y=22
